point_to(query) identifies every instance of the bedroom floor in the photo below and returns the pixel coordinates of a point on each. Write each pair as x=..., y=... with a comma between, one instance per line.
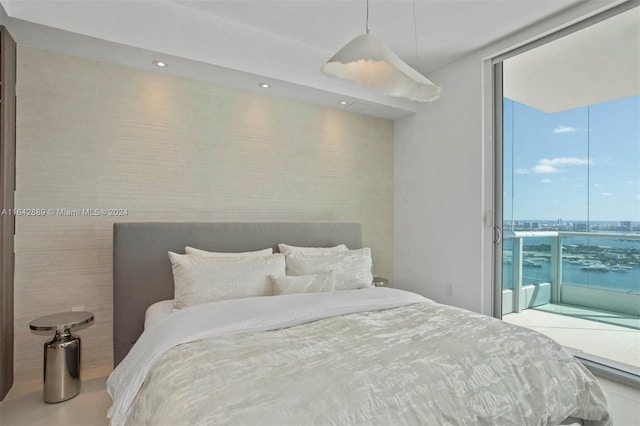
x=24, y=406
x=597, y=333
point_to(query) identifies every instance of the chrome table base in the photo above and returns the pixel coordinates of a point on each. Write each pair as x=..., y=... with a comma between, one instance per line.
x=61, y=367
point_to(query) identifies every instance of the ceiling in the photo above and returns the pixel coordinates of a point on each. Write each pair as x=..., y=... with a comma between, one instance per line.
x=596, y=64
x=242, y=43
x=445, y=30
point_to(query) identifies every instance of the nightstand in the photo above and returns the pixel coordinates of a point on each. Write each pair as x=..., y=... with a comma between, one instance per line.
x=61, y=354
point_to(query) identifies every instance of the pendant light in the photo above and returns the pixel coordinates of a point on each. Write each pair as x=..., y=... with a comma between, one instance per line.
x=368, y=62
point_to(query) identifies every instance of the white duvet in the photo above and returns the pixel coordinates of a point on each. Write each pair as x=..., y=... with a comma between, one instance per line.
x=371, y=356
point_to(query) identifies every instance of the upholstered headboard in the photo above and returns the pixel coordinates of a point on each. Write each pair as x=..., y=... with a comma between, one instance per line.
x=142, y=272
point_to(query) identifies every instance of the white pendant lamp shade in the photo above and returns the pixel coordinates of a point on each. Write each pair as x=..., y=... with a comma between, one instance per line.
x=368, y=62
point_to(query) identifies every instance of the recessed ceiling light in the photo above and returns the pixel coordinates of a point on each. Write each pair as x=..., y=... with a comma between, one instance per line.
x=344, y=102
x=265, y=85
x=159, y=64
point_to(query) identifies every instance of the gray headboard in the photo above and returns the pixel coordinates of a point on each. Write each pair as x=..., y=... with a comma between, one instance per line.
x=142, y=272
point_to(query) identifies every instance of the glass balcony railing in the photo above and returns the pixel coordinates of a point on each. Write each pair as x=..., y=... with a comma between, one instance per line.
x=586, y=269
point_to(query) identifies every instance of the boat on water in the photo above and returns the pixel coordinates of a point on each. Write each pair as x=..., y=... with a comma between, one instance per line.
x=621, y=268
x=531, y=263
x=596, y=267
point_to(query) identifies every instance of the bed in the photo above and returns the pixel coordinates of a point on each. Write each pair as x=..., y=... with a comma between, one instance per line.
x=358, y=355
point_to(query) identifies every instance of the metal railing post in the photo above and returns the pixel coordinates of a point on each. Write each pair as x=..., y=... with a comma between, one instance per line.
x=556, y=269
x=517, y=272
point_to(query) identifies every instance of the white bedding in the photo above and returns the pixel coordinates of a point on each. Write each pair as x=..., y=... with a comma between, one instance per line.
x=370, y=356
x=158, y=311
x=234, y=316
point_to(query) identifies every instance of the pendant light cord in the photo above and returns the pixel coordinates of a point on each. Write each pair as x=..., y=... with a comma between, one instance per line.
x=415, y=31
x=415, y=35
x=367, y=24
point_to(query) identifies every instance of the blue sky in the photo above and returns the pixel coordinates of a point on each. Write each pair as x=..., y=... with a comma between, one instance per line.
x=573, y=165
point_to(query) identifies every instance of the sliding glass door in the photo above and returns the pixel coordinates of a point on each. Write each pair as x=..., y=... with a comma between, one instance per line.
x=568, y=190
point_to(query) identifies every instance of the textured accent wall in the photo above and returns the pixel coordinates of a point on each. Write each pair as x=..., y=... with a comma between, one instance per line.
x=92, y=135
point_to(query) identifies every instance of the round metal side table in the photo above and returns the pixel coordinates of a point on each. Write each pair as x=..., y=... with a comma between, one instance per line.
x=61, y=354
x=380, y=282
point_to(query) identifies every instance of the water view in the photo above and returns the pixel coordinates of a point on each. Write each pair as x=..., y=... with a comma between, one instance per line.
x=612, y=264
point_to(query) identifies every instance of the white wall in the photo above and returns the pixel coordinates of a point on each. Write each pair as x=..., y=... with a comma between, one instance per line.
x=3, y=16
x=438, y=191
x=443, y=171
x=92, y=135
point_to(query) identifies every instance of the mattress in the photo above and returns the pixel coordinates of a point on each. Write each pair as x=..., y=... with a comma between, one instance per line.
x=370, y=356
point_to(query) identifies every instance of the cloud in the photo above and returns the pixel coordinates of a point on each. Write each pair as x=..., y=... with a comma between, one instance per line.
x=565, y=161
x=546, y=181
x=552, y=165
x=564, y=129
x=606, y=194
x=522, y=171
x=544, y=169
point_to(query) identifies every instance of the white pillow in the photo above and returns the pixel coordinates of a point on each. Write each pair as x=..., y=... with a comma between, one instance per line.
x=284, y=249
x=315, y=283
x=200, y=279
x=257, y=253
x=352, y=268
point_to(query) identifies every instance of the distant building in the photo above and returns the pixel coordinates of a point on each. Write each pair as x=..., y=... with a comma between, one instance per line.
x=580, y=227
x=625, y=225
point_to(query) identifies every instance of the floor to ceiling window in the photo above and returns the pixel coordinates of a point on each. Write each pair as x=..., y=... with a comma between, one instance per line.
x=571, y=190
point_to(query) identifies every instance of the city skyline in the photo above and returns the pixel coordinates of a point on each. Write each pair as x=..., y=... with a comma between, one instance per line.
x=624, y=226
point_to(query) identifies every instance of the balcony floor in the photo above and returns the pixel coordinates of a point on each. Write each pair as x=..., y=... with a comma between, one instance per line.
x=594, y=334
